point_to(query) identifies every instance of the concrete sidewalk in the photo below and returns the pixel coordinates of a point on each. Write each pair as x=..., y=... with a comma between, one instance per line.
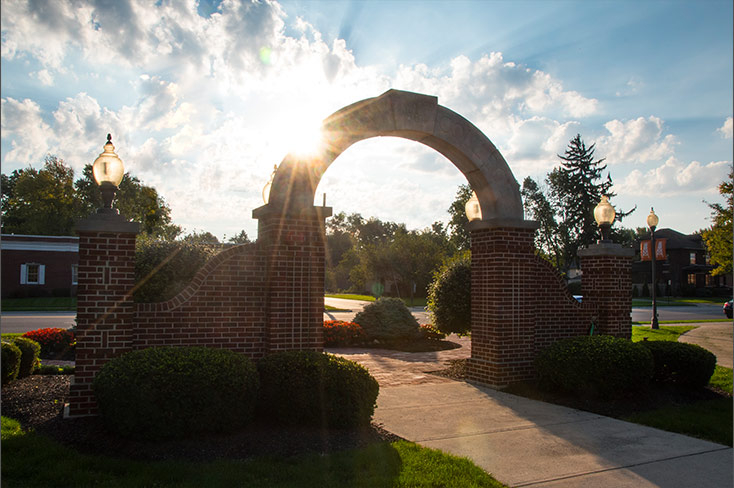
x=717, y=337
x=523, y=442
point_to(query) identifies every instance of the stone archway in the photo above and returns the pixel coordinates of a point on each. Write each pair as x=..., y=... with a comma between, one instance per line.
x=269, y=296
x=410, y=116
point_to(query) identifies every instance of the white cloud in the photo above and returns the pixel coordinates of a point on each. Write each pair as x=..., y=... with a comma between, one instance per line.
x=635, y=141
x=29, y=134
x=675, y=178
x=726, y=129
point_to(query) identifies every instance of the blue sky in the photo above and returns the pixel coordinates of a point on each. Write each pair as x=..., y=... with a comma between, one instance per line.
x=204, y=98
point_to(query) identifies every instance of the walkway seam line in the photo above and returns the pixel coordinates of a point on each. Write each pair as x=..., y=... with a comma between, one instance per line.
x=617, y=468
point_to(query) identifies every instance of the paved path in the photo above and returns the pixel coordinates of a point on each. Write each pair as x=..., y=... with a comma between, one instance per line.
x=523, y=442
x=27, y=321
x=717, y=337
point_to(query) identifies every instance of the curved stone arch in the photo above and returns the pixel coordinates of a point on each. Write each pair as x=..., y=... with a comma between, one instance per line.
x=410, y=116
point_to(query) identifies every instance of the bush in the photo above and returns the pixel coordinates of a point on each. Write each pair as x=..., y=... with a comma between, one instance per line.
x=55, y=343
x=428, y=331
x=449, y=296
x=387, y=319
x=49, y=369
x=165, y=268
x=597, y=366
x=29, y=351
x=635, y=292
x=10, y=362
x=340, y=333
x=315, y=389
x=168, y=392
x=684, y=364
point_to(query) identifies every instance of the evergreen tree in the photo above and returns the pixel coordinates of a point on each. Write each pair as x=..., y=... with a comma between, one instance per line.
x=457, y=225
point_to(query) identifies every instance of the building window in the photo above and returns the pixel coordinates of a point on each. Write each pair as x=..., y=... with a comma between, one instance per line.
x=74, y=274
x=693, y=258
x=691, y=279
x=32, y=274
x=709, y=280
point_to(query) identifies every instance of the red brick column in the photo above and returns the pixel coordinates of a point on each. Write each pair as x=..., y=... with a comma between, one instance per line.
x=606, y=283
x=295, y=252
x=502, y=311
x=104, y=301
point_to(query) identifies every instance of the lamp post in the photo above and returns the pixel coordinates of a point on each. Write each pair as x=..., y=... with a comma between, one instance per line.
x=108, y=171
x=652, y=223
x=604, y=214
x=472, y=208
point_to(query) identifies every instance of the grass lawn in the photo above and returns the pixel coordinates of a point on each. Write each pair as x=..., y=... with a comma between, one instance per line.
x=348, y=296
x=693, y=321
x=678, y=301
x=30, y=459
x=40, y=304
x=329, y=308
x=664, y=333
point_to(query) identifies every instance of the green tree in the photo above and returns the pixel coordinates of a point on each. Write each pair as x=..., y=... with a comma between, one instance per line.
x=459, y=236
x=134, y=200
x=719, y=237
x=240, y=238
x=573, y=190
x=40, y=201
x=201, y=238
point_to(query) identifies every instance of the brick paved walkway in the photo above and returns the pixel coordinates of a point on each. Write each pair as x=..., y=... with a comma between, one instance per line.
x=396, y=368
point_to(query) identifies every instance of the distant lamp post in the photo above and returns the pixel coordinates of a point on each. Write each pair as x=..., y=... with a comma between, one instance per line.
x=473, y=209
x=269, y=184
x=604, y=215
x=652, y=223
x=108, y=171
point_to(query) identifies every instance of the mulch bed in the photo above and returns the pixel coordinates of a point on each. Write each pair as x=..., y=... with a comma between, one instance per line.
x=37, y=402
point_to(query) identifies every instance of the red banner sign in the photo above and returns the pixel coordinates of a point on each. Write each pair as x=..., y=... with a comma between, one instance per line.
x=660, y=250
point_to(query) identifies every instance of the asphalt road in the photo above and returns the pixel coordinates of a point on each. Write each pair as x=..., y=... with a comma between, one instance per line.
x=25, y=321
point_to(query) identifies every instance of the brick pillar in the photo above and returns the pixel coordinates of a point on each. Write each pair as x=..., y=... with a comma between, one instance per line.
x=294, y=243
x=104, y=301
x=502, y=312
x=606, y=283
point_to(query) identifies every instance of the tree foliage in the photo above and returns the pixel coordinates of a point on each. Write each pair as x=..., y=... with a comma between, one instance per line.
x=719, y=237
x=457, y=224
x=449, y=295
x=48, y=201
x=565, y=209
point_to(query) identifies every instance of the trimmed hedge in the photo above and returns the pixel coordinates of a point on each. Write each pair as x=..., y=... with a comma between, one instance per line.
x=684, y=364
x=449, y=296
x=168, y=392
x=387, y=319
x=597, y=366
x=10, y=362
x=309, y=388
x=29, y=351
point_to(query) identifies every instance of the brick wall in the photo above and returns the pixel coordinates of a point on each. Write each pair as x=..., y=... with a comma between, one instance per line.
x=104, y=309
x=521, y=305
x=224, y=306
x=295, y=258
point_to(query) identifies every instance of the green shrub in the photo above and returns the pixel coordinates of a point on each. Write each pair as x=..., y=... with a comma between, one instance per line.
x=635, y=292
x=597, y=366
x=55, y=343
x=449, y=296
x=170, y=392
x=165, y=268
x=428, y=331
x=29, y=351
x=315, y=389
x=387, y=319
x=645, y=290
x=680, y=363
x=10, y=362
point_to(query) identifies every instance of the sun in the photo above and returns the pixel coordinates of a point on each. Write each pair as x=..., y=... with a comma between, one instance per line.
x=303, y=135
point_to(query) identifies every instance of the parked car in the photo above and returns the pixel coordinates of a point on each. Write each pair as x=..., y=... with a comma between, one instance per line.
x=728, y=308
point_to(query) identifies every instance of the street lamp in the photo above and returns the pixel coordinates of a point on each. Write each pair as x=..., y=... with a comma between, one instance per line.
x=472, y=208
x=652, y=223
x=604, y=215
x=108, y=171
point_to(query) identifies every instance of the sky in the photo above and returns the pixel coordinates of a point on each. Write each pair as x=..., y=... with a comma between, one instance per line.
x=203, y=98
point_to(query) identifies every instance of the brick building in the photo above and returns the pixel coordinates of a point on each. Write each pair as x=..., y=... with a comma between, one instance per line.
x=39, y=266
x=686, y=268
